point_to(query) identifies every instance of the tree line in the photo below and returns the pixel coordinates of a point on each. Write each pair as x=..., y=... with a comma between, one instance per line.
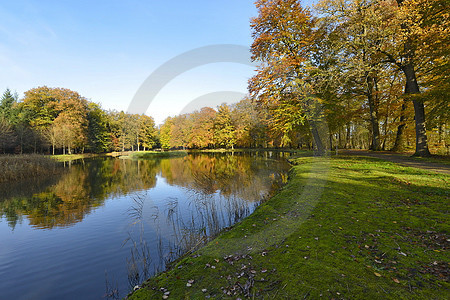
x=58, y=120
x=371, y=70
x=348, y=74
x=370, y=74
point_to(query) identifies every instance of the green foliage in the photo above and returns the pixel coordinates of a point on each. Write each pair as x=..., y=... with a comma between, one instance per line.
x=7, y=102
x=165, y=135
x=99, y=136
x=224, y=131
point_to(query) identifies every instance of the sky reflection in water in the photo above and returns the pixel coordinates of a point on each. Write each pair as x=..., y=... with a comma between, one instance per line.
x=107, y=224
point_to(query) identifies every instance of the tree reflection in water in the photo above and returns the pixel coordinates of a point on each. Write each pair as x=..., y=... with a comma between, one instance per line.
x=218, y=191
x=84, y=188
x=178, y=204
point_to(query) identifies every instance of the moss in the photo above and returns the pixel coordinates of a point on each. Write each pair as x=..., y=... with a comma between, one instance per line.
x=343, y=227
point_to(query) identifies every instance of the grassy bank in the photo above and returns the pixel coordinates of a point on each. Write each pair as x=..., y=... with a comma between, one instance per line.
x=156, y=154
x=72, y=157
x=228, y=150
x=17, y=167
x=342, y=228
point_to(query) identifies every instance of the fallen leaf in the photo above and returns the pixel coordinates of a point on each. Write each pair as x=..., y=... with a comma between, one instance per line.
x=377, y=274
x=395, y=280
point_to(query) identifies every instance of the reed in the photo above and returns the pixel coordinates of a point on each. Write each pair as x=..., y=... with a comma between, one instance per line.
x=17, y=167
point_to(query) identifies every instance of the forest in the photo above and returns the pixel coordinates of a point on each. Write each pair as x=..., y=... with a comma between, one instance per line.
x=347, y=74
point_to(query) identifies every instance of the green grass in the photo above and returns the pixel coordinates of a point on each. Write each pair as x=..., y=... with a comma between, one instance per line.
x=440, y=159
x=17, y=167
x=72, y=157
x=156, y=154
x=345, y=227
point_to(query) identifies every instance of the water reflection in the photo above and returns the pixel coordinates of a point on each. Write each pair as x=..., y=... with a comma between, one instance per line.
x=217, y=191
x=76, y=193
x=128, y=217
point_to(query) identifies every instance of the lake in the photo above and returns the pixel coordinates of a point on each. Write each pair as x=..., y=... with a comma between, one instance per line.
x=107, y=224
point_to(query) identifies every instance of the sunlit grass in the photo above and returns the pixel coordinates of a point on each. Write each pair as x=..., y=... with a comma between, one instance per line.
x=72, y=157
x=343, y=227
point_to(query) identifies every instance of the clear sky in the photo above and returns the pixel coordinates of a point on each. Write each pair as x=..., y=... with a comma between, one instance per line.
x=106, y=49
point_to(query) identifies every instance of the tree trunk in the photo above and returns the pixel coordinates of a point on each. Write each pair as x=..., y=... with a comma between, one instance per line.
x=412, y=88
x=419, y=111
x=399, y=138
x=316, y=137
x=347, y=137
x=375, y=143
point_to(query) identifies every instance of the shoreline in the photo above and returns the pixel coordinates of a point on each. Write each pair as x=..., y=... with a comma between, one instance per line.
x=338, y=239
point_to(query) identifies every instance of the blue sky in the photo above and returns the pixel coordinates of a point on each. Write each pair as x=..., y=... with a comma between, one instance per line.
x=106, y=49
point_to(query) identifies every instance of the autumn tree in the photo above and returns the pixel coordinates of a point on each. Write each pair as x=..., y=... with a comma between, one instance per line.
x=147, y=132
x=414, y=31
x=283, y=35
x=165, y=133
x=202, y=133
x=224, y=131
x=180, y=132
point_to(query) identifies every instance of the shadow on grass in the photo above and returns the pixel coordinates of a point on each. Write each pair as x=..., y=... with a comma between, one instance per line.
x=351, y=230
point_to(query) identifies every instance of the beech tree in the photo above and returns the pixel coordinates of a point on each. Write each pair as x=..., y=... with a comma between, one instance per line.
x=165, y=133
x=202, y=134
x=147, y=132
x=224, y=131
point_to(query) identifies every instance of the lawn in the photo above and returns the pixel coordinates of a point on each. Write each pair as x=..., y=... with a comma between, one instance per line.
x=346, y=227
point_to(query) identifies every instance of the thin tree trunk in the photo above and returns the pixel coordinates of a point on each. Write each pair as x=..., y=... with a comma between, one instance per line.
x=399, y=138
x=347, y=137
x=375, y=143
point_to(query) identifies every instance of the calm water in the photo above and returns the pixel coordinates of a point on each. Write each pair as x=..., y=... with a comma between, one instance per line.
x=107, y=224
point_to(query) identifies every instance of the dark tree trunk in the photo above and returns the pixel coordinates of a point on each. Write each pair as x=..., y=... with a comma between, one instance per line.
x=412, y=88
x=347, y=137
x=317, y=139
x=375, y=143
x=419, y=111
x=399, y=138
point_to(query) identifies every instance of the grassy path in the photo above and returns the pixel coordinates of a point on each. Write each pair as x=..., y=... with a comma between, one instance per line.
x=348, y=227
